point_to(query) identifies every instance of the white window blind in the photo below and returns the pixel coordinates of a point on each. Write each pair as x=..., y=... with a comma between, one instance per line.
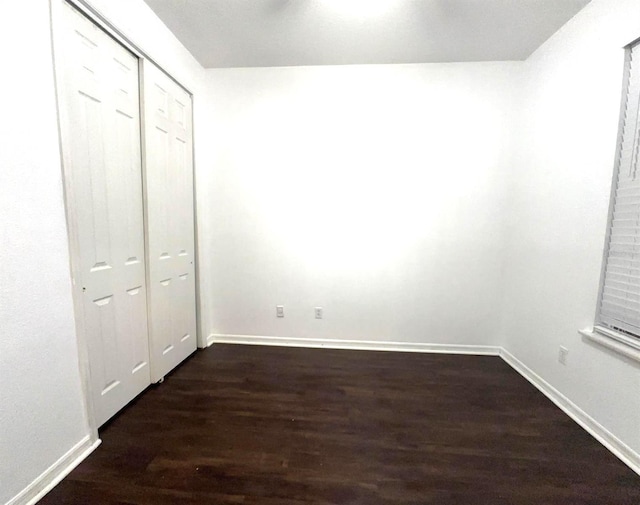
x=619, y=304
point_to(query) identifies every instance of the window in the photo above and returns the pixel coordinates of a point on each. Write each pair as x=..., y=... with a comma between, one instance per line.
x=619, y=301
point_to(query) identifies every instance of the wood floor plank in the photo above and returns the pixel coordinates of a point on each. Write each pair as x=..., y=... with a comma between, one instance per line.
x=285, y=426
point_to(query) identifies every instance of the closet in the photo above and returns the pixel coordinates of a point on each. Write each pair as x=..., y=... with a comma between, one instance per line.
x=126, y=143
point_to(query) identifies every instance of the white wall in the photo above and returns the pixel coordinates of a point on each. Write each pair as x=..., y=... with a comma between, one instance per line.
x=378, y=192
x=560, y=193
x=42, y=414
x=373, y=191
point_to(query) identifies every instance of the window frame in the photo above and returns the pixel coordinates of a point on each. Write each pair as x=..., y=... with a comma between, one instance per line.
x=620, y=340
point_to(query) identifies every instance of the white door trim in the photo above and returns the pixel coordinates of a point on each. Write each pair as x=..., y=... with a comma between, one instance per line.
x=57, y=33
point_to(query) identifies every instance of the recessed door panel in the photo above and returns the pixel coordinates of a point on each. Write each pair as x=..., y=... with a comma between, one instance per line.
x=98, y=87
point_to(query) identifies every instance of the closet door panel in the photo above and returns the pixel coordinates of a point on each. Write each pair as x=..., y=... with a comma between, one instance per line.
x=170, y=220
x=98, y=90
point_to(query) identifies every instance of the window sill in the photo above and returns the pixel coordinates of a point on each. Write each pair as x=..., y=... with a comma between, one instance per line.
x=616, y=342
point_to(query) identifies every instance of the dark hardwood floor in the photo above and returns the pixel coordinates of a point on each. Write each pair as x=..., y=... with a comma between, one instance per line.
x=284, y=426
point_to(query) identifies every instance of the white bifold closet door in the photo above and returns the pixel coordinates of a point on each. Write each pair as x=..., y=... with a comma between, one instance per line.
x=98, y=89
x=168, y=147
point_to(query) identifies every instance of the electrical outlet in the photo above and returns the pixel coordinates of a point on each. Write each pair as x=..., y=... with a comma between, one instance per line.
x=279, y=310
x=563, y=353
x=318, y=311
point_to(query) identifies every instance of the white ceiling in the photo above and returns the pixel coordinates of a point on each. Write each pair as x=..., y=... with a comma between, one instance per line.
x=259, y=33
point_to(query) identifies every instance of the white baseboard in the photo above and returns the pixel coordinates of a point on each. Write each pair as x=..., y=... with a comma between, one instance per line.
x=55, y=473
x=595, y=429
x=360, y=345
